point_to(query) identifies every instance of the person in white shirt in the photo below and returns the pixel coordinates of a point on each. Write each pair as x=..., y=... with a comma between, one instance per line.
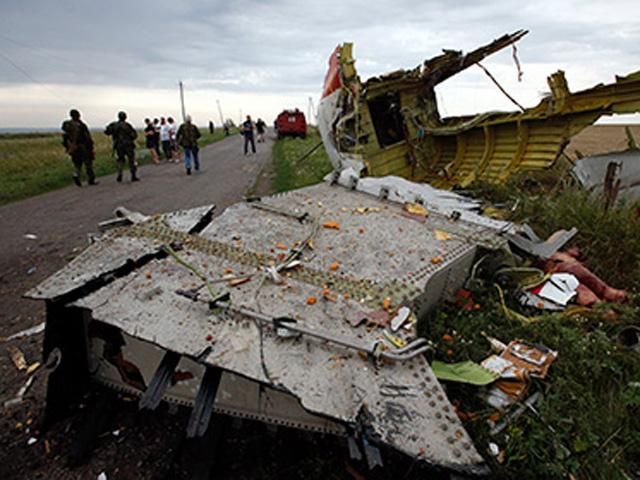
x=165, y=138
x=173, y=130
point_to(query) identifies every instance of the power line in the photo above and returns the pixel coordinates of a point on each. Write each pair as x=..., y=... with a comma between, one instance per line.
x=46, y=53
x=30, y=77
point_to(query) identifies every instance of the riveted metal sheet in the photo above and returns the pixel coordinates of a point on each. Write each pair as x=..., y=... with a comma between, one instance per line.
x=113, y=253
x=382, y=256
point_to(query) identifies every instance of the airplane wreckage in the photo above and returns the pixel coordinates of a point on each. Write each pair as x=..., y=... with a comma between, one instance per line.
x=299, y=309
x=390, y=125
x=303, y=309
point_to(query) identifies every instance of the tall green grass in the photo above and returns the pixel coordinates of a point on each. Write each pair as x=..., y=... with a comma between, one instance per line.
x=589, y=422
x=31, y=164
x=291, y=169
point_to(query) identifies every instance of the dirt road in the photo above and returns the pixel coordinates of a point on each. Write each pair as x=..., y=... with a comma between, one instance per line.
x=60, y=222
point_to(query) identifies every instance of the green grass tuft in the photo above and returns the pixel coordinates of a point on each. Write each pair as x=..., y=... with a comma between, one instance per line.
x=291, y=171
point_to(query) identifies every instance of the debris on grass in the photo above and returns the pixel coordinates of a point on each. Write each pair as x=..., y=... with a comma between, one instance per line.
x=463, y=372
x=17, y=357
x=21, y=393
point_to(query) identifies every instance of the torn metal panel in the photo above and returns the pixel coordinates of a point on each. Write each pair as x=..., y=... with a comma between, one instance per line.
x=114, y=254
x=591, y=172
x=529, y=242
x=390, y=125
x=373, y=260
x=400, y=190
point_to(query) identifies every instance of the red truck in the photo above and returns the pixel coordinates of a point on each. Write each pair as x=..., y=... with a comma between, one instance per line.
x=292, y=123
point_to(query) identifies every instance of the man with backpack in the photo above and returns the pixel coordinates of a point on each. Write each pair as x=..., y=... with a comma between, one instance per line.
x=123, y=136
x=187, y=138
x=78, y=144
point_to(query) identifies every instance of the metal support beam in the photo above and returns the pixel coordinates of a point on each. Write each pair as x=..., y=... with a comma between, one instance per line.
x=203, y=408
x=155, y=391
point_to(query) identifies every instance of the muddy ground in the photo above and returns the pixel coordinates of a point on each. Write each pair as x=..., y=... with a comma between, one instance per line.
x=133, y=445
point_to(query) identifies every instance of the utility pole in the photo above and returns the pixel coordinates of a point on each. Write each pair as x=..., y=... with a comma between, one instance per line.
x=220, y=112
x=310, y=110
x=184, y=115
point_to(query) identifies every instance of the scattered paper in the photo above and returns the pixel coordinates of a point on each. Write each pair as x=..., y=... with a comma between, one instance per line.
x=529, y=299
x=559, y=289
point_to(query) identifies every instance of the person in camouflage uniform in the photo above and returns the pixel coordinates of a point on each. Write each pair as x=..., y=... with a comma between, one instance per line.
x=187, y=138
x=123, y=136
x=78, y=144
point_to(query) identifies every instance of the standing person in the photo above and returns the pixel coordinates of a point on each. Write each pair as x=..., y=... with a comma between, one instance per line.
x=78, y=144
x=123, y=136
x=173, y=131
x=226, y=129
x=247, y=131
x=165, y=138
x=188, y=135
x=150, y=140
x=211, y=127
x=260, y=128
x=156, y=126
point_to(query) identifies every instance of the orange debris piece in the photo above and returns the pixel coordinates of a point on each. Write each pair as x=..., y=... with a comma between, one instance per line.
x=332, y=224
x=386, y=303
x=238, y=281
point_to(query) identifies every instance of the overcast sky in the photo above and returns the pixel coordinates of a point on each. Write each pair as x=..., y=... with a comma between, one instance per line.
x=259, y=57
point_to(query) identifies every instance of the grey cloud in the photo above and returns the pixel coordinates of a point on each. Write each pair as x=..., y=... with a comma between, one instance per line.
x=283, y=46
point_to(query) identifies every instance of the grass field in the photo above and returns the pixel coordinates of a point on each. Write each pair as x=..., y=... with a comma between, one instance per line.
x=35, y=163
x=588, y=423
x=291, y=169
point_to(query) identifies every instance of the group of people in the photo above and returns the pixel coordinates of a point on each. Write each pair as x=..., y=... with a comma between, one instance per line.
x=162, y=133
x=77, y=141
x=159, y=134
